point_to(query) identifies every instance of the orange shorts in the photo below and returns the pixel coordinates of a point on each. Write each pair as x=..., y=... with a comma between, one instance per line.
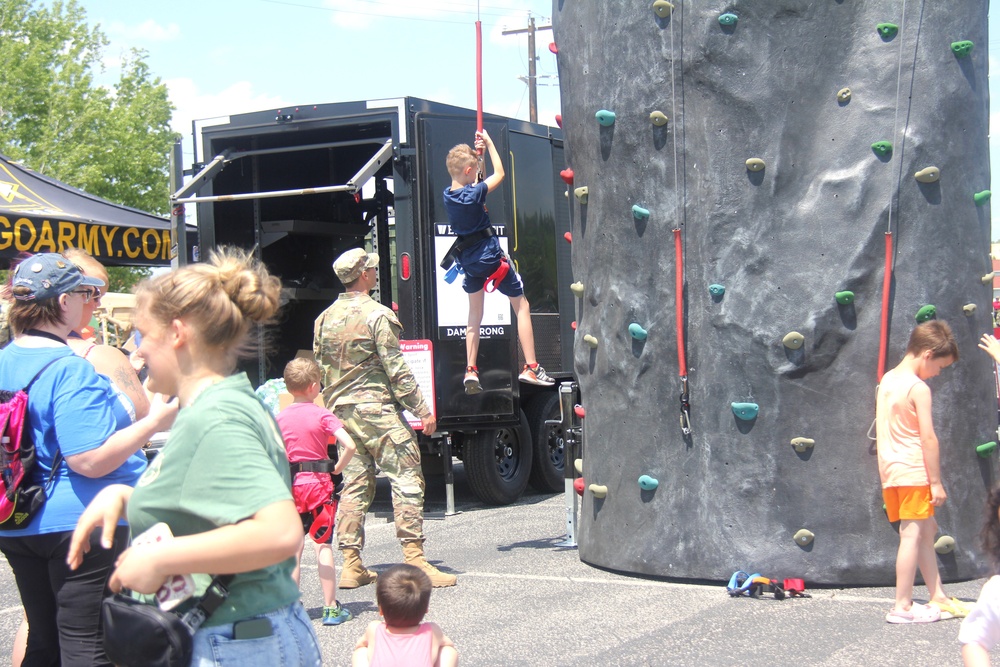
x=908, y=502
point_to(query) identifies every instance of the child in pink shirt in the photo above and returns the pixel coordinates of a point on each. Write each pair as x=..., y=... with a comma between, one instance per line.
x=306, y=429
x=401, y=639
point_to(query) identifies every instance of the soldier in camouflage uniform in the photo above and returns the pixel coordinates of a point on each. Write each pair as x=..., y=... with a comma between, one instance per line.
x=367, y=385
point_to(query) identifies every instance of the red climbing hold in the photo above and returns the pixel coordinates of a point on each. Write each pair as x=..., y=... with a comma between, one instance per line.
x=559, y=119
x=572, y=325
x=568, y=236
x=553, y=48
x=579, y=485
x=579, y=411
x=567, y=175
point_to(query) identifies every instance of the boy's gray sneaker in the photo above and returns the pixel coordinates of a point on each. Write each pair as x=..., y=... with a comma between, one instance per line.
x=536, y=375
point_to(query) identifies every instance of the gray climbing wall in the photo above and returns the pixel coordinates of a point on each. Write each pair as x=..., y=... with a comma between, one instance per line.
x=782, y=241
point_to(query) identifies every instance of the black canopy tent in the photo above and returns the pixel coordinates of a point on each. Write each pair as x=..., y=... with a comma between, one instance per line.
x=41, y=214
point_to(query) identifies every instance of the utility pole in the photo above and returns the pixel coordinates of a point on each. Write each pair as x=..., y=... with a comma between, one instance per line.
x=532, y=80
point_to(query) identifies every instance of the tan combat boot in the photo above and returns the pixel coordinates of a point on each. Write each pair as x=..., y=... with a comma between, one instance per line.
x=413, y=552
x=354, y=573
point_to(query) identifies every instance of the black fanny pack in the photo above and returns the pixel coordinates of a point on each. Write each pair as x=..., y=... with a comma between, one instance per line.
x=139, y=634
x=463, y=242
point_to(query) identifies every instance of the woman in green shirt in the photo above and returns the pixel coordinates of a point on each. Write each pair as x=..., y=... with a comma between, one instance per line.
x=221, y=483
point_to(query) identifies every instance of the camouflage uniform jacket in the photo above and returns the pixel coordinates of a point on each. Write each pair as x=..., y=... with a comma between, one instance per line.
x=356, y=341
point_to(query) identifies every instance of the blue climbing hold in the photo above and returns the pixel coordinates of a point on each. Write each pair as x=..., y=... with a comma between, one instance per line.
x=728, y=19
x=716, y=290
x=636, y=331
x=640, y=213
x=605, y=117
x=647, y=483
x=745, y=411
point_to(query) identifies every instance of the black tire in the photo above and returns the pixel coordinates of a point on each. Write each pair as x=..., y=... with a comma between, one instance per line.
x=549, y=462
x=498, y=463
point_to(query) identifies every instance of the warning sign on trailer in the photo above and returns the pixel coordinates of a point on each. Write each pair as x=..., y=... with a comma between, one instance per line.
x=419, y=355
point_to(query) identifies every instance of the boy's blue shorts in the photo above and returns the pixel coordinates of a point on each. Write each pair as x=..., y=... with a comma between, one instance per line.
x=479, y=263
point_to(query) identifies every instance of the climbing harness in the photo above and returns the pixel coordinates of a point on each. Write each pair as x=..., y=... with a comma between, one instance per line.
x=497, y=276
x=754, y=585
x=463, y=242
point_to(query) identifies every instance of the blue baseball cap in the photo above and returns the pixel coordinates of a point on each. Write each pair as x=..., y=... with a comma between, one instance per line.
x=47, y=275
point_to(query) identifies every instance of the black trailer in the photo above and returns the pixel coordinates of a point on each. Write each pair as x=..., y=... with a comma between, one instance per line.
x=300, y=185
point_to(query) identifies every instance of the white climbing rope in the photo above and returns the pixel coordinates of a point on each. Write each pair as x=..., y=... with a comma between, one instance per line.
x=894, y=192
x=673, y=125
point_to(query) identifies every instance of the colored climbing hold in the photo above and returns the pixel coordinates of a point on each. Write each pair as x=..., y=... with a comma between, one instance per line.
x=944, y=544
x=755, y=164
x=728, y=19
x=985, y=449
x=962, y=48
x=969, y=308
x=568, y=236
x=579, y=411
x=658, y=118
x=803, y=538
x=793, y=340
x=882, y=148
x=925, y=313
x=745, y=411
x=572, y=325
x=844, y=298
x=636, y=331
x=981, y=197
x=802, y=444
x=567, y=175
x=559, y=119
x=887, y=30
x=647, y=483
x=987, y=279
x=581, y=194
x=640, y=213
x=599, y=490
x=577, y=288
x=662, y=8
x=716, y=290
x=844, y=95
x=579, y=485
x=605, y=117
x=928, y=174
x=553, y=48
x=590, y=340
x=578, y=466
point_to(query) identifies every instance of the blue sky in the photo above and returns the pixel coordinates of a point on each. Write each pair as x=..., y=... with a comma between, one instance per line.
x=220, y=57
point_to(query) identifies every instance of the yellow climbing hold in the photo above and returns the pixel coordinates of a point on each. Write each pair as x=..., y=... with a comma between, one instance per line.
x=577, y=289
x=802, y=444
x=658, y=118
x=599, y=490
x=755, y=164
x=581, y=194
x=844, y=95
x=590, y=340
x=969, y=308
x=987, y=279
x=578, y=466
x=804, y=537
x=793, y=340
x=663, y=8
x=928, y=174
x=944, y=544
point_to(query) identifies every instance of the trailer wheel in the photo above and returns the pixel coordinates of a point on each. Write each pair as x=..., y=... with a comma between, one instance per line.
x=498, y=463
x=550, y=451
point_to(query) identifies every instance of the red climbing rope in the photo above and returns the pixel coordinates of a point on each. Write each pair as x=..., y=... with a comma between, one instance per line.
x=886, y=283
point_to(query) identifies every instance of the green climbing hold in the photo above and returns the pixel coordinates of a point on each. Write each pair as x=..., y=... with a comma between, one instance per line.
x=605, y=117
x=640, y=213
x=662, y=8
x=925, y=313
x=887, y=30
x=755, y=164
x=962, y=48
x=882, y=148
x=647, y=483
x=793, y=340
x=746, y=411
x=728, y=19
x=985, y=449
x=658, y=118
x=636, y=331
x=981, y=197
x=803, y=538
x=944, y=544
x=844, y=298
x=716, y=290
x=581, y=194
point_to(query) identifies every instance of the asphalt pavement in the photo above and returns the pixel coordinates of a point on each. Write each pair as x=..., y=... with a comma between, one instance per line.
x=522, y=599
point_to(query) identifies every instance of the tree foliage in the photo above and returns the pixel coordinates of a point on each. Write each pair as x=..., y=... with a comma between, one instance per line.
x=112, y=141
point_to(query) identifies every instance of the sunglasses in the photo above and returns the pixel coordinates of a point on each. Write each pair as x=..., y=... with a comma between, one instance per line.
x=88, y=294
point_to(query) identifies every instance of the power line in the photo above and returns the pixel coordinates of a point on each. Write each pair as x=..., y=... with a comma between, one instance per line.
x=382, y=10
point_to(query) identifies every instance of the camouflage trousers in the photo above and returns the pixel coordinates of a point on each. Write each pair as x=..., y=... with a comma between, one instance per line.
x=385, y=439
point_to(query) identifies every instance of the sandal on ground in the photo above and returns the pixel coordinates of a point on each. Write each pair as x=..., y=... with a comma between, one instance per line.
x=953, y=608
x=918, y=613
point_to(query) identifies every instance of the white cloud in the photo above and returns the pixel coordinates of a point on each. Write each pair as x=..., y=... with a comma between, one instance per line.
x=147, y=31
x=362, y=14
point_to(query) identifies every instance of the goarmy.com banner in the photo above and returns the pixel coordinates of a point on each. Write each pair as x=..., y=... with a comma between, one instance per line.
x=118, y=245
